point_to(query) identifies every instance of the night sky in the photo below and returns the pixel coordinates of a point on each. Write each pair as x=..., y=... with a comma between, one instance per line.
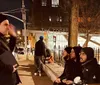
x=6, y=5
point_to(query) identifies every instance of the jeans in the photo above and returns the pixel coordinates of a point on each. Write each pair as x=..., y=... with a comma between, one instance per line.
x=38, y=64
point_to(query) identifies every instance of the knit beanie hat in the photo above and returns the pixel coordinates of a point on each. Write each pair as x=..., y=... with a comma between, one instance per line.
x=2, y=17
x=41, y=37
x=89, y=52
x=68, y=49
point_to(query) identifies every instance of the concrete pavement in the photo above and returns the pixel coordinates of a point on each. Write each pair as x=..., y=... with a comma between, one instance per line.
x=26, y=70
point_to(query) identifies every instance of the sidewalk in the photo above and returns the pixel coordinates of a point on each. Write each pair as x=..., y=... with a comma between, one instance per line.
x=26, y=71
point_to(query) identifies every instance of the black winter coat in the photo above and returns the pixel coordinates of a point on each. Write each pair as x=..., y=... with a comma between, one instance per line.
x=7, y=77
x=39, y=48
x=66, y=71
x=72, y=69
x=91, y=72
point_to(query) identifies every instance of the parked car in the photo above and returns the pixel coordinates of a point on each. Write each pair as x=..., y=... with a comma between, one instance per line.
x=19, y=50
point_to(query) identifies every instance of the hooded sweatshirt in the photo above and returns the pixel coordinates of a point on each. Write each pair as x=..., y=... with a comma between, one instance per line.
x=90, y=68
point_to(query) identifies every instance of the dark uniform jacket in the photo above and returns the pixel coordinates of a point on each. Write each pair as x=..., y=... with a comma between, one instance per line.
x=7, y=77
x=91, y=72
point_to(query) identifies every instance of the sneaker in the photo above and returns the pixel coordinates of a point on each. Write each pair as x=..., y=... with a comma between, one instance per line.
x=40, y=74
x=35, y=74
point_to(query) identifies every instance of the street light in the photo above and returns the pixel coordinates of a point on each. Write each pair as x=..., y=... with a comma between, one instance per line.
x=19, y=32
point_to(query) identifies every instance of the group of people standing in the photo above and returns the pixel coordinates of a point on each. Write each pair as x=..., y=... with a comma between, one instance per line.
x=79, y=62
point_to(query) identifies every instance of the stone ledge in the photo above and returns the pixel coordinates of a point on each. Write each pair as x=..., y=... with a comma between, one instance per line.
x=53, y=70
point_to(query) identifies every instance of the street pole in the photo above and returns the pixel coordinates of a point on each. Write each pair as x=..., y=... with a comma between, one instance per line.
x=24, y=23
x=12, y=16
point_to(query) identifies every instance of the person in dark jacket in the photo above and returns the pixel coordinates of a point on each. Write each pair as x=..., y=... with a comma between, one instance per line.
x=8, y=73
x=48, y=56
x=39, y=52
x=74, y=66
x=64, y=75
x=90, y=67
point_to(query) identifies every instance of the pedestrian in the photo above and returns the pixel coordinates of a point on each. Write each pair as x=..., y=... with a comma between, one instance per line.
x=8, y=72
x=90, y=67
x=39, y=53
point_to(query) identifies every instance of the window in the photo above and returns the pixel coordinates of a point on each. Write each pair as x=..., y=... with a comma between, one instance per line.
x=55, y=3
x=44, y=2
x=59, y=19
x=50, y=18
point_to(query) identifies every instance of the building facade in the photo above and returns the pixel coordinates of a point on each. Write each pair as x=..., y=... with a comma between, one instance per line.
x=50, y=15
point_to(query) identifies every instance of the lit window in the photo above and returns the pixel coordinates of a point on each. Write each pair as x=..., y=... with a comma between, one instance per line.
x=59, y=19
x=44, y=2
x=55, y=3
x=50, y=18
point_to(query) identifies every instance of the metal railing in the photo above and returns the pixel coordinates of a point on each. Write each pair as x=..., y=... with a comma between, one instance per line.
x=97, y=54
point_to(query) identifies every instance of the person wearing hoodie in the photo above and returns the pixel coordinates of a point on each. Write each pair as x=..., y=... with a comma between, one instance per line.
x=74, y=66
x=90, y=67
x=65, y=73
